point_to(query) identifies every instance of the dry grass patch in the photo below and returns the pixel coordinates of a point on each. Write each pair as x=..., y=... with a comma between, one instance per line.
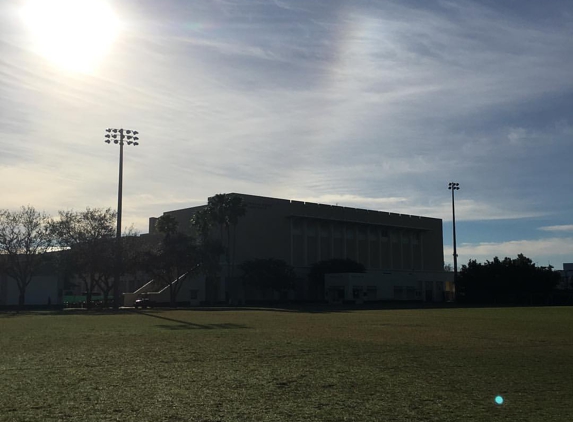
x=271, y=365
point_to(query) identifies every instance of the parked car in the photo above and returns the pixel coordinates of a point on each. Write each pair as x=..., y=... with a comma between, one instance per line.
x=144, y=303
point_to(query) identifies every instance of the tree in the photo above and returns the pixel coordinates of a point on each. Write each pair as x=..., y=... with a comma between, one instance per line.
x=331, y=266
x=24, y=243
x=225, y=211
x=235, y=209
x=167, y=225
x=133, y=249
x=268, y=274
x=507, y=281
x=202, y=221
x=209, y=249
x=217, y=211
x=90, y=237
x=130, y=245
x=222, y=211
x=106, y=262
x=171, y=260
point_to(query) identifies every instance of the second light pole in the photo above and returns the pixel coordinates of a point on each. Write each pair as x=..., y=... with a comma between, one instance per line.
x=454, y=187
x=119, y=136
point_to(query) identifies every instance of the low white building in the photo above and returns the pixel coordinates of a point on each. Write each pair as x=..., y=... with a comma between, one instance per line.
x=388, y=286
x=43, y=290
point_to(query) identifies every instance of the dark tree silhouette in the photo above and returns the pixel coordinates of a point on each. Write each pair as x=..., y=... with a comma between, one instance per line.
x=171, y=260
x=507, y=281
x=90, y=237
x=202, y=221
x=130, y=247
x=210, y=250
x=225, y=210
x=24, y=243
x=235, y=209
x=167, y=225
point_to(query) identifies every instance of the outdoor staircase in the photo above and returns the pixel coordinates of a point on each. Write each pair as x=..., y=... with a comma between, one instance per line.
x=154, y=290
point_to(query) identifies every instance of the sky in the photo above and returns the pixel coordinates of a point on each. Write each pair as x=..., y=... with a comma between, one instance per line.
x=366, y=104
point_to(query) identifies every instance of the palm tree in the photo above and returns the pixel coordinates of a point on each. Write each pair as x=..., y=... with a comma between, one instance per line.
x=210, y=249
x=174, y=258
x=202, y=221
x=225, y=210
x=235, y=209
x=217, y=206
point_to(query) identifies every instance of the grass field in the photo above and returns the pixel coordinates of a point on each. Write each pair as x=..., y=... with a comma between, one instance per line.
x=281, y=365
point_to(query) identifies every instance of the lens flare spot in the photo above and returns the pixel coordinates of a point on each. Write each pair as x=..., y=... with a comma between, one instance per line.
x=499, y=400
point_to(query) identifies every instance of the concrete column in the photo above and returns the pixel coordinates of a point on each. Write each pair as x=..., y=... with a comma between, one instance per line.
x=422, y=251
x=368, y=260
x=391, y=248
x=304, y=243
x=379, y=233
x=356, y=244
x=344, y=240
x=411, y=251
x=331, y=228
x=401, y=249
x=291, y=243
x=318, y=238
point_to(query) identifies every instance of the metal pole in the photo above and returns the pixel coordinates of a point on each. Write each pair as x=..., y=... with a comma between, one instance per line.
x=454, y=227
x=131, y=140
x=118, y=233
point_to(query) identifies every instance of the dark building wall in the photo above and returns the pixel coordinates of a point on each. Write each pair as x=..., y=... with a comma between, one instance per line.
x=182, y=216
x=379, y=240
x=264, y=231
x=303, y=233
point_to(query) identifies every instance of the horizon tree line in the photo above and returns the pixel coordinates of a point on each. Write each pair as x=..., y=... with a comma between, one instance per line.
x=85, y=240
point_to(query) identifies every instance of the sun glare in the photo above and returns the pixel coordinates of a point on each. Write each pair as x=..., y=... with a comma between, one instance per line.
x=74, y=34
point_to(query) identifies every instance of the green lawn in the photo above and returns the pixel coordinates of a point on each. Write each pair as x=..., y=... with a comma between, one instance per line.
x=271, y=365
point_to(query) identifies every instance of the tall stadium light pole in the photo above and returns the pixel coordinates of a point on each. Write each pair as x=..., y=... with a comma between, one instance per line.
x=454, y=187
x=119, y=136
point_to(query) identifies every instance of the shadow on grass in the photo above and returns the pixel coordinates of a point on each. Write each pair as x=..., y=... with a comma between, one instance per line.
x=323, y=308
x=310, y=308
x=287, y=308
x=79, y=311
x=186, y=325
x=318, y=308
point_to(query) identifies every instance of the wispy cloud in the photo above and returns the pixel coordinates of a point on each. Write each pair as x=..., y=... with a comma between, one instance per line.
x=561, y=228
x=356, y=201
x=466, y=210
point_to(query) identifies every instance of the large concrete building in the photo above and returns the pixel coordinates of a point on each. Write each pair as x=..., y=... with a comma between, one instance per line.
x=391, y=246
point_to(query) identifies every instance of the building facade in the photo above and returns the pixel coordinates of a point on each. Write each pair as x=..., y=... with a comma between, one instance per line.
x=303, y=233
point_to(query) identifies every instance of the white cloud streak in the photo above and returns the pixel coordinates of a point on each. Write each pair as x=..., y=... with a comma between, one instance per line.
x=561, y=228
x=541, y=251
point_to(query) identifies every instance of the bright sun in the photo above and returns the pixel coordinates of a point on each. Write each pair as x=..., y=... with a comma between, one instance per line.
x=74, y=34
